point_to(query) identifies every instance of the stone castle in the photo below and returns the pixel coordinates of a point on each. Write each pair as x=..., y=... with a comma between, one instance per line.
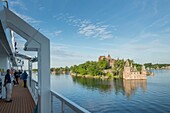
x=131, y=72
x=109, y=60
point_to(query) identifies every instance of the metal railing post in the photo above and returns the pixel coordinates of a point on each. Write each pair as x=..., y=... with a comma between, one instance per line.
x=62, y=106
x=64, y=101
x=51, y=103
x=70, y=104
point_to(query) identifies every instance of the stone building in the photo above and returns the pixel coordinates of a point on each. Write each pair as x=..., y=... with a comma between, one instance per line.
x=101, y=58
x=130, y=72
x=109, y=60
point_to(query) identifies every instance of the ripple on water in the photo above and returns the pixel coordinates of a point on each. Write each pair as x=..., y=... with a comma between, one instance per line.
x=118, y=98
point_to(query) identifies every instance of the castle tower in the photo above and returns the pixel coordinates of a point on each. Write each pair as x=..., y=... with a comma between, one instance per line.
x=109, y=58
x=127, y=70
x=135, y=69
x=101, y=58
x=131, y=65
x=143, y=70
x=127, y=63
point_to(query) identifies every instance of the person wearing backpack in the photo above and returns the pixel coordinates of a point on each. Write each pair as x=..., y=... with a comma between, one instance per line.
x=24, y=77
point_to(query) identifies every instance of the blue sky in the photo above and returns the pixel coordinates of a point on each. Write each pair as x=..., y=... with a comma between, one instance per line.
x=81, y=30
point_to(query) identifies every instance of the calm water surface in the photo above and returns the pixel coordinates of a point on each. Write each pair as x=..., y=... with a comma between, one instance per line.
x=119, y=96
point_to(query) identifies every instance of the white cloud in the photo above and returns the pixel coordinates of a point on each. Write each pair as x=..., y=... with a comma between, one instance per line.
x=56, y=33
x=161, y=23
x=61, y=55
x=55, y=46
x=66, y=46
x=87, y=28
x=52, y=33
x=166, y=30
x=17, y=3
x=41, y=8
x=143, y=37
x=63, y=50
x=155, y=8
x=147, y=43
x=60, y=51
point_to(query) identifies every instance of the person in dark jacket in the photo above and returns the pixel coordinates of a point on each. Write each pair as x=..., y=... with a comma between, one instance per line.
x=24, y=77
x=7, y=84
x=16, y=75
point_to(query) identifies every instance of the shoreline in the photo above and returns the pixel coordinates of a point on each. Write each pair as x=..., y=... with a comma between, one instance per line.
x=95, y=77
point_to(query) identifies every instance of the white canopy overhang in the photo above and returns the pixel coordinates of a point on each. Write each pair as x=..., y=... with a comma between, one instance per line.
x=5, y=46
x=35, y=42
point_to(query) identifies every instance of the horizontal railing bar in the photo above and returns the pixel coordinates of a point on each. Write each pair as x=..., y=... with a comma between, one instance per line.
x=34, y=80
x=71, y=104
x=36, y=87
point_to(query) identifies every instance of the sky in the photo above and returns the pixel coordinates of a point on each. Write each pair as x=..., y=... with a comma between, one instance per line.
x=83, y=30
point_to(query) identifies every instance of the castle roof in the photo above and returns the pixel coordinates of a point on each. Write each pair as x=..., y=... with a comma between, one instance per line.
x=109, y=56
x=127, y=63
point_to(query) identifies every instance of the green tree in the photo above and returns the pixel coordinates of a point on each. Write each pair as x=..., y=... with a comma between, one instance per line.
x=118, y=68
x=35, y=70
x=138, y=67
x=52, y=69
x=103, y=64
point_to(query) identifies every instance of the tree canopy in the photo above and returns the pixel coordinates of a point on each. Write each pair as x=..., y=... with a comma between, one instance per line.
x=90, y=68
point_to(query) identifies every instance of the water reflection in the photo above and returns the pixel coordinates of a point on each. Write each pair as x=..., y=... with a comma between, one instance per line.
x=131, y=86
x=90, y=83
x=125, y=87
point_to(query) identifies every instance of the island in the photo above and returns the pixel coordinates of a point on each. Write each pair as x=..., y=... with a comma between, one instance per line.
x=106, y=67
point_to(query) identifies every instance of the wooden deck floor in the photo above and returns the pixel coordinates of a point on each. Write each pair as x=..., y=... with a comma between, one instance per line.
x=22, y=101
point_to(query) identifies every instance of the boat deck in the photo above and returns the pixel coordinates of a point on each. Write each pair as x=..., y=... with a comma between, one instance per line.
x=22, y=101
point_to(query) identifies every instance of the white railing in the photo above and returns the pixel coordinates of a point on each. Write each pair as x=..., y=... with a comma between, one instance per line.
x=65, y=101
x=33, y=88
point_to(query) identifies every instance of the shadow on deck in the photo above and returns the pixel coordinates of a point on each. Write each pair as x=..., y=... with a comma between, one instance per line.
x=22, y=101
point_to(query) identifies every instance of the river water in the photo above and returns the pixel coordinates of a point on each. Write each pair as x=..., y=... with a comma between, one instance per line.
x=116, y=96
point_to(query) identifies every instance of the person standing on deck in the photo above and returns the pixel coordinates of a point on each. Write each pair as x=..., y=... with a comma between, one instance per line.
x=7, y=84
x=12, y=76
x=24, y=77
x=16, y=76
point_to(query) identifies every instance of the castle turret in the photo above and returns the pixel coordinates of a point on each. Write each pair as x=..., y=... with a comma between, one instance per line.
x=143, y=70
x=109, y=57
x=135, y=69
x=127, y=63
x=126, y=71
x=131, y=65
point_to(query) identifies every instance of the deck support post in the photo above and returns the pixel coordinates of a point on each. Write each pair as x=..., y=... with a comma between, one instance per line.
x=44, y=100
x=63, y=103
x=30, y=72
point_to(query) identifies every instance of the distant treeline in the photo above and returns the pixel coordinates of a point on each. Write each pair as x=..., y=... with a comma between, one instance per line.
x=156, y=66
x=35, y=70
x=95, y=68
x=59, y=70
